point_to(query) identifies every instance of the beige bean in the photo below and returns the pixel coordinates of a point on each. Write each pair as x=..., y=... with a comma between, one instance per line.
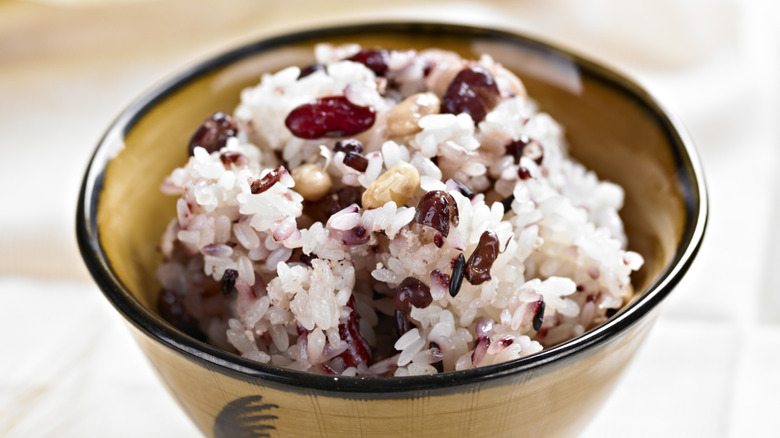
x=403, y=118
x=311, y=181
x=398, y=184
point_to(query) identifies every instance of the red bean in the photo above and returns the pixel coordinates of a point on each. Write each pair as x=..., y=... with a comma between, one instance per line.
x=213, y=133
x=332, y=116
x=473, y=91
x=375, y=59
x=311, y=68
x=356, y=161
x=433, y=211
x=412, y=292
x=515, y=147
x=266, y=182
x=523, y=173
x=358, y=351
x=232, y=159
x=478, y=266
x=524, y=147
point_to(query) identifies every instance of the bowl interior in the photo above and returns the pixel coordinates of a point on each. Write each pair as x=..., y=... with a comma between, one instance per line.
x=609, y=125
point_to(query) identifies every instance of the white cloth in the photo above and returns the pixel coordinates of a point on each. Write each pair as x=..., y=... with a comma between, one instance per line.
x=70, y=367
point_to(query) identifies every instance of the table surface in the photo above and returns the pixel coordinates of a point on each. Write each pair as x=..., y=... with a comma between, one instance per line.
x=710, y=365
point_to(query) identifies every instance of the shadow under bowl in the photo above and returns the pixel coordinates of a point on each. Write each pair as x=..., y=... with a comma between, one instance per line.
x=613, y=127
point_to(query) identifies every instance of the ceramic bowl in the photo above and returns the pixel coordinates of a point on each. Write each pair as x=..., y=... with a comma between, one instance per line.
x=613, y=126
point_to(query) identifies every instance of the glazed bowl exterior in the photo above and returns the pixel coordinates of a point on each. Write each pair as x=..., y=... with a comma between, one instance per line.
x=613, y=126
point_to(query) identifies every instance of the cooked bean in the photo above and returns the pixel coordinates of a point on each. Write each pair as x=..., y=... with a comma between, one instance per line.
x=312, y=182
x=213, y=133
x=403, y=118
x=478, y=266
x=397, y=184
x=456, y=280
x=267, y=181
x=412, y=292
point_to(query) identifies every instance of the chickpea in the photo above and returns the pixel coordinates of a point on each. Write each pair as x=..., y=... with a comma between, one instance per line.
x=398, y=184
x=403, y=118
x=311, y=181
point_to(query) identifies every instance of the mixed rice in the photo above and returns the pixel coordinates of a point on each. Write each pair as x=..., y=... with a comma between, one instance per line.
x=389, y=213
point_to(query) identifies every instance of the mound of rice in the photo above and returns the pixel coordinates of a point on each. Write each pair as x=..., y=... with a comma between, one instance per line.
x=389, y=212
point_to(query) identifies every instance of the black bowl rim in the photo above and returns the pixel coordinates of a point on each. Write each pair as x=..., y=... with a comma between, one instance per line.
x=690, y=177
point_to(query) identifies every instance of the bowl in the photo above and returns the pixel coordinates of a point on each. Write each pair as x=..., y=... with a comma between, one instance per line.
x=613, y=126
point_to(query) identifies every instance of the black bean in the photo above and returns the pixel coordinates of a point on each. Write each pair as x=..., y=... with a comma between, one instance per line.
x=539, y=315
x=348, y=145
x=507, y=203
x=307, y=258
x=402, y=323
x=464, y=190
x=456, y=280
x=229, y=281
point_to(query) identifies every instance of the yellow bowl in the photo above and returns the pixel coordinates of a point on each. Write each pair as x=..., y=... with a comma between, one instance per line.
x=613, y=126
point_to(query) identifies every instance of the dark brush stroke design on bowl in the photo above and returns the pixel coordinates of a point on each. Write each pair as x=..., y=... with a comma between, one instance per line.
x=245, y=417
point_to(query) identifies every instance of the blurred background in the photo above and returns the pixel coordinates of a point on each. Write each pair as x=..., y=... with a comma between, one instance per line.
x=68, y=67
